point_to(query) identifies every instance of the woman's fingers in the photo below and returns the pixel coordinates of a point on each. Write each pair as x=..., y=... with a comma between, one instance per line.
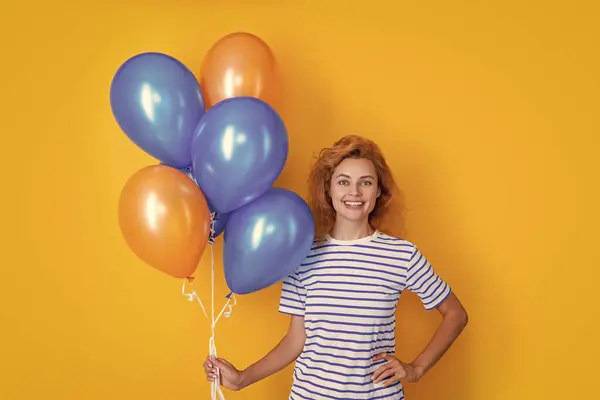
x=210, y=370
x=212, y=375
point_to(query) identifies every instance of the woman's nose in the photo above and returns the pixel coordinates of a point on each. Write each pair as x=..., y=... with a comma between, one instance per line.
x=355, y=190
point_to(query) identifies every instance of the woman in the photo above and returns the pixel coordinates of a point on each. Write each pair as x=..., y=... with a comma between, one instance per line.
x=342, y=299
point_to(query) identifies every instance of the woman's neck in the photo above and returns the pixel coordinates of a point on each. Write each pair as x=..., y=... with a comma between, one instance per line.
x=351, y=230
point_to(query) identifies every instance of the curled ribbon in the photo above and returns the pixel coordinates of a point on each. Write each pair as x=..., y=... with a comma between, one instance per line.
x=226, y=311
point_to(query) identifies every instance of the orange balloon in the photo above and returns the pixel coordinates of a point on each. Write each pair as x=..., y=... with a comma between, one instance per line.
x=240, y=64
x=165, y=219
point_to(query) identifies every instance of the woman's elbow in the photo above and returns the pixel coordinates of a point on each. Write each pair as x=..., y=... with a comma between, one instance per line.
x=464, y=319
x=453, y=310
x=461, y=317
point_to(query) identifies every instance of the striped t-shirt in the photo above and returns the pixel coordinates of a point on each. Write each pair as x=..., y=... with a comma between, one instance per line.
x=347, y=292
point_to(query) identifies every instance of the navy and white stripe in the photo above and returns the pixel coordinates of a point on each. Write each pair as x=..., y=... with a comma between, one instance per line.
x=347, y=292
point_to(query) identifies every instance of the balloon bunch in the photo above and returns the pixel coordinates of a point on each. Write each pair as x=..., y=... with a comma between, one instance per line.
x=221, y=130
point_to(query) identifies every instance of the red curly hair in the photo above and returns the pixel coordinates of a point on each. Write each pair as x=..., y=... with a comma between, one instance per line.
x=319, y=181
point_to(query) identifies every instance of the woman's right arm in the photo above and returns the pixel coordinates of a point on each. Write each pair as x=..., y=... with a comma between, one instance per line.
x=282, y=355
x=288, y=349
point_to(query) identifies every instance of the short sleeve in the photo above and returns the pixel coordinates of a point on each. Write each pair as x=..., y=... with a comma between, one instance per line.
x=293, y=295
x=424, y=282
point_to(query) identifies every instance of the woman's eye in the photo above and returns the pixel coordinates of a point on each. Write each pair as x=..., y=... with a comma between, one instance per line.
x=366, y=183
x=344, y=182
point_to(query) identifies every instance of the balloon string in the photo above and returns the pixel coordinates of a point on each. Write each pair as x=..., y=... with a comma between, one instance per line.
x=226, y=311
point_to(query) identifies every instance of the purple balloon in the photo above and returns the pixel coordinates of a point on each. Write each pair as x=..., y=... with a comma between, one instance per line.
x=157, y=103
x=238, y=151
x=266, y=240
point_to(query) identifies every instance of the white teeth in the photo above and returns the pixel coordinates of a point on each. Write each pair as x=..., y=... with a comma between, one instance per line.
x=354, y=203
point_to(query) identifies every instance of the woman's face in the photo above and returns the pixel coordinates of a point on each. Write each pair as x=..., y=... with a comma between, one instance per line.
x=354, y=189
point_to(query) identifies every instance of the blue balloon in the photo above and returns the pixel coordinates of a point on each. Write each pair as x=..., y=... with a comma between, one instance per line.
x=266, y=240
x=157, y=102
x=220, y=219
x=238, y=151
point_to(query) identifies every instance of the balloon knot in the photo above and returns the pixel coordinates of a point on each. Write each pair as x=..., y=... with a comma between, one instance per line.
x=213, y=219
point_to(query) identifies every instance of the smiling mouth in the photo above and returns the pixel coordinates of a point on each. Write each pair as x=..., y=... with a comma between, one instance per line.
x=354, y=204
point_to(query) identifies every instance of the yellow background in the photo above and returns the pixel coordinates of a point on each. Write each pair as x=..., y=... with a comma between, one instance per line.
x=488, y=114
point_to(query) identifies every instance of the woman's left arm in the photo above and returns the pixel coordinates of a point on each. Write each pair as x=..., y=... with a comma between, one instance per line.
x=454, y=320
